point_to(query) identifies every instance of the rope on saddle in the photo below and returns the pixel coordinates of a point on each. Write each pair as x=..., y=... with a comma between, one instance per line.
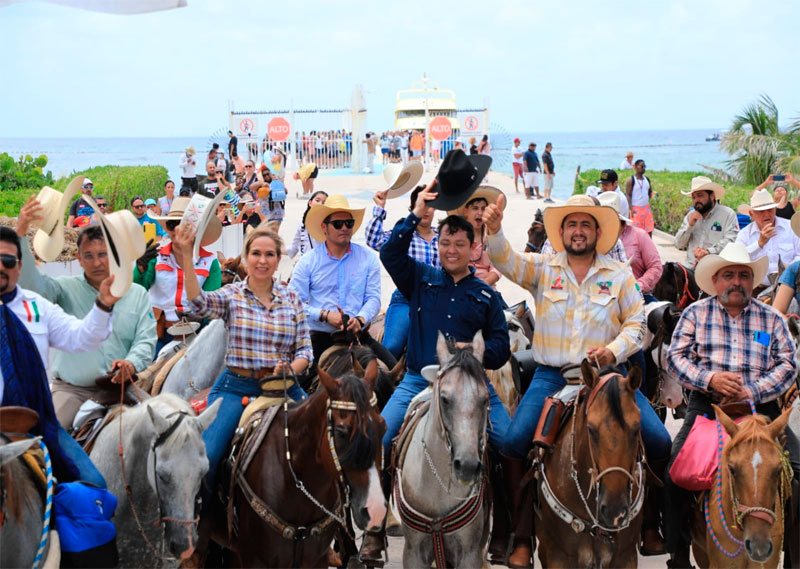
x=48, y=506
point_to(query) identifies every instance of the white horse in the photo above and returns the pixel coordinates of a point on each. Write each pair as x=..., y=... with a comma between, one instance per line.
x=671, y=393
x=165, y=461
x=202, y=363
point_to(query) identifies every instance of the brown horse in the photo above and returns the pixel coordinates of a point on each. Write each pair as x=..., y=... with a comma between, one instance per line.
x=233, y=269
x=752, y=483
x=591, y=482
x=299, y=503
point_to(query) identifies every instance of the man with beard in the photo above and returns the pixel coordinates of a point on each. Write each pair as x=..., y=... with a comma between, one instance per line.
x=709, y=226
x=727, y=348
x=580, y=288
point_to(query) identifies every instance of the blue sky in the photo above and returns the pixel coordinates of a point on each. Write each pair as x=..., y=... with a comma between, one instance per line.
x=543, y=66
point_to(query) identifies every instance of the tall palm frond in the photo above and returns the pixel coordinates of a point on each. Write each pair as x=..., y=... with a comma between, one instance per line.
x=760, y=117
x=719, y=174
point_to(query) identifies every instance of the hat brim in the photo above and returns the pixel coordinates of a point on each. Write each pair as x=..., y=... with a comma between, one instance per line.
x=454, y=198
x=209, y=226
x=719, y=191
x=795, y=223
x=318, y=213
x=710, y=265
x=489, y=193
x=407, y=179
x=606, y=217
x=48, y=245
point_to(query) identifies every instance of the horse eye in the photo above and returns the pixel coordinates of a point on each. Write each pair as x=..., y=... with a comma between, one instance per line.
x=732, y=471
x=592, y=432
x=445, y=401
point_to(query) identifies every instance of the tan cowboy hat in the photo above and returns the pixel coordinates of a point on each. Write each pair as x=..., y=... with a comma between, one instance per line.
x=607, y=219
x=705, y=183
x=732, y=254
x=212, y=231
x=400, y=179
x=762, y=200
x=795, y=223
x=489, y=193
x=335, y=203
x=612, y=199
x=49, y=240
x=190, y=150
x=125, y=241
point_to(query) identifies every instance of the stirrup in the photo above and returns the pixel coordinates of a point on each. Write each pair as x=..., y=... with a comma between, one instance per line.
x=378, y=563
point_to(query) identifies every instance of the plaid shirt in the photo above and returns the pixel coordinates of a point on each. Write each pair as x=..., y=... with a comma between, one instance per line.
x=756, y=345
x=420, y=250
x=258, y=338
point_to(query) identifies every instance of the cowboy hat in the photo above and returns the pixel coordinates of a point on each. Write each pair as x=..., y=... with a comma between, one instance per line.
x=705, y=183
x=488, y=193
x=400, y=179
x=795, y=223
x=125, y=240
x=732, y=254
x=49, y=240
x=458, y=177
x=607, y=219
x=762, y=200
x=335, y=203
x=190, y=150
x=612, y=199
x=212, y=230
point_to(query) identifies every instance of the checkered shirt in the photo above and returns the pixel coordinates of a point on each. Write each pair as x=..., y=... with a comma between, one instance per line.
x=420, y=250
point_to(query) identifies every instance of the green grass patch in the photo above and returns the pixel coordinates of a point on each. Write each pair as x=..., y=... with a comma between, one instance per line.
x=668, y=204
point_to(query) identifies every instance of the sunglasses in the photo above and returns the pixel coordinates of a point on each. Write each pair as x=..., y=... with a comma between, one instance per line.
x=88, y=186
x=9, y=261
x=138, y=206
x=171, y=225
x=339, y=223
x=101, y=205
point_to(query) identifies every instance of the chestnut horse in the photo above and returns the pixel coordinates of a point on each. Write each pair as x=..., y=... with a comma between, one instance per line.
x=739, y=522
x=591, y=484
x=317, y=459
x=233, y=269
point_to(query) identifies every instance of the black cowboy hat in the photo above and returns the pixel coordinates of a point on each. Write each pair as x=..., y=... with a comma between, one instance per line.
x=458, y=177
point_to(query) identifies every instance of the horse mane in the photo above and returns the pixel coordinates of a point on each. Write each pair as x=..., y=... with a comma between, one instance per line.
x=464, y=359
x=364, y=439
x=614, y=397
x=16, y=478
x=751, y=430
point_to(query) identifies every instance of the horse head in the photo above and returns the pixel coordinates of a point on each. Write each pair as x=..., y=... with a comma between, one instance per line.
x=519, y=335
x=613, y=439
x=233, y=269
x=536, y=234
x=461, y=406
x=751, y=464
x=176, y=467
x=357, y=429
x=677, y=285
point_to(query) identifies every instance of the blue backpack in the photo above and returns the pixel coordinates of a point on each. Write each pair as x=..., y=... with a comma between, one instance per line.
x=277, y=191
x=82, y=513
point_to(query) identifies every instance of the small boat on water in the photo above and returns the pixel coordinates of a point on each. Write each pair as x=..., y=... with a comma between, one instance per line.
x=713, y=138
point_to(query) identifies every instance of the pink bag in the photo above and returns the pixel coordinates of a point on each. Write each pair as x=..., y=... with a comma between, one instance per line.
x=696, y=464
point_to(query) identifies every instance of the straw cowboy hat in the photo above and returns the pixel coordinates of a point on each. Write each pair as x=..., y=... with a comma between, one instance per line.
x=705, y=183
x=125, y=241
x=488, y=193
x=213, y=228
x=762, y=200
x=49, y=239
x=612, y=199
x=190, y=150
x=795, y=223
x=458, y=177
x=318, y=213
x=400, y=179
x=732, y=254
x=607, y=219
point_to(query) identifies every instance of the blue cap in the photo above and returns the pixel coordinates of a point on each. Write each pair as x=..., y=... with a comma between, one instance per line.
x=150, y=201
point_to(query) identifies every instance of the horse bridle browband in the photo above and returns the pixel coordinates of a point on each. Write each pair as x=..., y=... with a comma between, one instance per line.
x=686, y=295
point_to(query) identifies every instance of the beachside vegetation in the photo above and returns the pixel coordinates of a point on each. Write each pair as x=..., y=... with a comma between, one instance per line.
x=669, y=205
x=25, y=172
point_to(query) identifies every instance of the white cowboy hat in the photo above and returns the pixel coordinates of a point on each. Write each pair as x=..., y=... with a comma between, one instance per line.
x=705, y=183
x=212, y=231
x=607, y=219
x=762, y=200
x=488, y=193
x=125, y=242
x=612, y=199
x=400, y=179
x=795, y=223
x=317, y=214
x=49, y=240
x=732, y=254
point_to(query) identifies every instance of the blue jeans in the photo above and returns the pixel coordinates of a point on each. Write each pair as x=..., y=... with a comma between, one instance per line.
x=396, y=324
x=230, y=387
x=546, y=380
x=648, y=298
x=395, y=410
x=71, y=448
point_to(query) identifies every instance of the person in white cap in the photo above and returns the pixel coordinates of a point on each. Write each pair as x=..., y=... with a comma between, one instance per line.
x=80, y=203
x=709, y=226
x=769, y=235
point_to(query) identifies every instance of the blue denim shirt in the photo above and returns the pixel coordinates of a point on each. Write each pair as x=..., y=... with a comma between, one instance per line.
x=436, y=303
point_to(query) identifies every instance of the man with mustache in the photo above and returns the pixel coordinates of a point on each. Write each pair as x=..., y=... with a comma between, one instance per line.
x=726, y=348
x=709, y=226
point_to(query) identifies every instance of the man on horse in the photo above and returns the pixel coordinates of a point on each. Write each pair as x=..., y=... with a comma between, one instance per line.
x=132, y=343
x=451, y=300
x=29, y=325
x=709, y=226
x=587, y=306
x=727, y=348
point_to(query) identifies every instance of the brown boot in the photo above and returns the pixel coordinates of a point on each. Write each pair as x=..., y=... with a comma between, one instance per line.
x=372, y=548
x=521, y=498
x=651, y=542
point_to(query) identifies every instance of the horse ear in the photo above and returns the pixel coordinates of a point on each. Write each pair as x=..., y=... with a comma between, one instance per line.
x=398, y=370
x=330, y=384
x=358, y=369
x=520, y=312
x=206, y=417
x=159, y=422
x=727, y=423
x=221, y=258
x=12, y=450
x=478, y=346
x=371, y=374
x=794, y=327
x=589, y=373
x=777, y=426
x=442, y=349
x=634, y=380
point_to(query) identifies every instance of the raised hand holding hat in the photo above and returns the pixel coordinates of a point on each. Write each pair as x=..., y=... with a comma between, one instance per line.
x=458, y=177
x=49, y=240
x=400, y=179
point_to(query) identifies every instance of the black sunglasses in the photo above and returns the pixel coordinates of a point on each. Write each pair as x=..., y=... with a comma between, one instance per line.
x=140, y=206
x=9, y=261
x=101, y=204
x=339, y=223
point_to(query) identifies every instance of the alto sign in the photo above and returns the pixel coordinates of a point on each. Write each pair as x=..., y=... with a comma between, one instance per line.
x=278, y=129
x=440, y=128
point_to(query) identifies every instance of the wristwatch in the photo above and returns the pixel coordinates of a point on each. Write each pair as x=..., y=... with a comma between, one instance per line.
x=103, y=307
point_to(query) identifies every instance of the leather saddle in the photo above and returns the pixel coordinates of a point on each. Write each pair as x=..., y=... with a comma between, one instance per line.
x=17, y=420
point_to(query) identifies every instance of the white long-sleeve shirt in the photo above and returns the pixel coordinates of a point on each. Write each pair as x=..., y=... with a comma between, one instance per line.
x=785, y=245
x=186, y=164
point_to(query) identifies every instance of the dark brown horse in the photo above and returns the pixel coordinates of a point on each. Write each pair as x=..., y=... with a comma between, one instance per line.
x=316, y=459
x=591, y=482
x=233, y=269
x=341, y=359
x=536, y=234
x=677, y=285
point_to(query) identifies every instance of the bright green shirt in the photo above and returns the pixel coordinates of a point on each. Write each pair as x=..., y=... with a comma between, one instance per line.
x=133, y=335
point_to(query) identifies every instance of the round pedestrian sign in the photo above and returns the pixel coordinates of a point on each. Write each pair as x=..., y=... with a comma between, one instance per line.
x=440, y=128
x=471, y=123
x=247, y=126
x=278, y=129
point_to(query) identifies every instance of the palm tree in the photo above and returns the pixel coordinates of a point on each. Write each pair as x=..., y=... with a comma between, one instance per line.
x=758, y=146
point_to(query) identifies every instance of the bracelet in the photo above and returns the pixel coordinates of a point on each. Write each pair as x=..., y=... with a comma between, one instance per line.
x=323, y=315
x=103, y=307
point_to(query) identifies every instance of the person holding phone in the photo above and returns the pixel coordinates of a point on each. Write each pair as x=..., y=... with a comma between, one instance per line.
x=786, y=207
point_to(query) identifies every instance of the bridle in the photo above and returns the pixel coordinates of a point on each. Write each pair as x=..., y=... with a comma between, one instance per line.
x=234, y=274
x=686, y=295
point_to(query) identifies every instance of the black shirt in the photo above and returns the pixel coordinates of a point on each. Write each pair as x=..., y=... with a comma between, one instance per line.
x=76, y=206
x=531, y=160
x=786, y=212
x=548, y=160
x=232, y=146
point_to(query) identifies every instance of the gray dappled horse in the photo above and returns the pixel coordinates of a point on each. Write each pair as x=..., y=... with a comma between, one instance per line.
x=443, y=470
x=165, y=462
x=202, y=363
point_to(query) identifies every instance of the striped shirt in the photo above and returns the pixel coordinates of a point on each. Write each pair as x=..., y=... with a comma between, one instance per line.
x=755, y=344
x=419, y=250
x=258, y=337
x=605, y=310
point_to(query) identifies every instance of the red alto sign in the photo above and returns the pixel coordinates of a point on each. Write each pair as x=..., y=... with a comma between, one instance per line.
x=440, y=128
x=278, y=129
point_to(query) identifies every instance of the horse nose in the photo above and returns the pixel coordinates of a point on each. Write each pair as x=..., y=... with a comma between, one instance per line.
x=759, y=550
x=613, y=517
x=467, y=470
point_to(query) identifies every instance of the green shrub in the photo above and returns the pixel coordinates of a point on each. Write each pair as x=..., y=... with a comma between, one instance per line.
x=27, y=172
x=669, y=205
x=118, y=184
